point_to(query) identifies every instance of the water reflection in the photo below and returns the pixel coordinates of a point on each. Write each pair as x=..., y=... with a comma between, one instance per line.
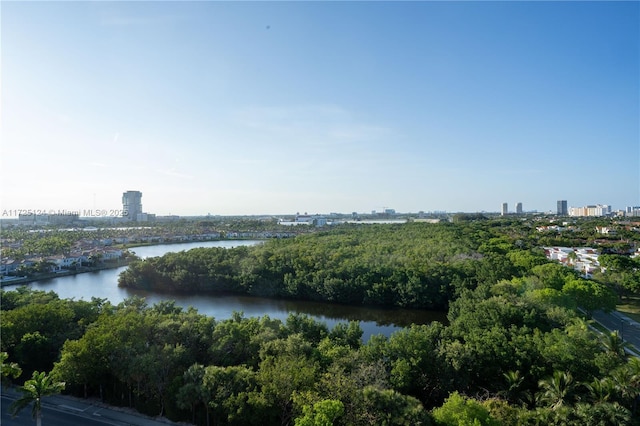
x=103, y=284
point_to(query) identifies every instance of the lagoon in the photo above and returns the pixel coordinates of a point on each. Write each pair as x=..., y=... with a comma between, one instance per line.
x=104, y=284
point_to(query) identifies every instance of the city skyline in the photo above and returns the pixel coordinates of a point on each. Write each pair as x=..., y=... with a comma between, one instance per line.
x=131, y=210
x=271, y=108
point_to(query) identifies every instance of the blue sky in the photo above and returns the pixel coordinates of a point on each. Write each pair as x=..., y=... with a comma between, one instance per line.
x=283, y=107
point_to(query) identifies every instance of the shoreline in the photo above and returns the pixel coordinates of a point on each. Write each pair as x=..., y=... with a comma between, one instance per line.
x=117, y=264
x=64, y=273
x=147, y=244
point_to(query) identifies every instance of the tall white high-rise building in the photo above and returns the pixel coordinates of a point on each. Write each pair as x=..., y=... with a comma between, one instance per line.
x=518, y=208
x=505, y=209
x=132, y=204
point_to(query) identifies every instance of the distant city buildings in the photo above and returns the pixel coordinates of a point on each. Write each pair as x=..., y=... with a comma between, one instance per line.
x=562, y=209
x=504, y=211
x=632, y=211
x=385, y=211
x=518, y=208
x=132, y=211
x=305, y=219
x=132, y=205
x=591, y=210
x=595, y=210
x=62, y=217
x=132, y=208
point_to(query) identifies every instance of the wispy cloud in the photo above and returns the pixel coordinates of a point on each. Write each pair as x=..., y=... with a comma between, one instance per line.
x=133, y=21
x=175, y=173
x=310, y=125
x=98, y=164
x=520, y=171
x=355, y=132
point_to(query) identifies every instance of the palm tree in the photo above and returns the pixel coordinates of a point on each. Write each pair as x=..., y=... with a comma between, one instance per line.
x=627, y=383
x=514, y=392
x=194, y=392
x=603, y=413
x=614, y=345
x=34, y=389
x=601, y=390
x=557, y=390
x=634, y=367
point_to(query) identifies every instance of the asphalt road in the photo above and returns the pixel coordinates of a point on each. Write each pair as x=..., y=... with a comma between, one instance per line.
x=629, y=330
x=51, y=416
x=60, y=410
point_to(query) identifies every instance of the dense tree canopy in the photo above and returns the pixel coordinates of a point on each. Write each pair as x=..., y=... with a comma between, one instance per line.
x=515, y=350
x=410, y=265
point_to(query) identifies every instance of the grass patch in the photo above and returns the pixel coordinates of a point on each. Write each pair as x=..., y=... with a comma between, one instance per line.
x=630, y=306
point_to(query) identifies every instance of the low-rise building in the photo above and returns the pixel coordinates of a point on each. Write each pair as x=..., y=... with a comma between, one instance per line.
x=605, y=230
x=111, y=254
x=582, y=259
x=8, y=266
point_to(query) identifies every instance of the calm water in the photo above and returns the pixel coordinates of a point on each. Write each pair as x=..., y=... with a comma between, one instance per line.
x=104, y=284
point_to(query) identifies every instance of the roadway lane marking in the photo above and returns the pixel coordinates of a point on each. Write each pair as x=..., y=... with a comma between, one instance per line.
x=68, y=407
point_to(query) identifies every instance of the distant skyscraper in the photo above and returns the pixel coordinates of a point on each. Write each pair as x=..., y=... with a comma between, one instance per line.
x=505, y=209
x=562, y=208
x=633, y=211
x=132, y=204
x=518, y=208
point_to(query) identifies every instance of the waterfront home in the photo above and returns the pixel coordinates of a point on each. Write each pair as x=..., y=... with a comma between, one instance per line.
x=111, y=254
x=64, y=262
x=8, y=266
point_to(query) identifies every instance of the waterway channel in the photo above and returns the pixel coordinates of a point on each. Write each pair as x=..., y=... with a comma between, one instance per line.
x=104, y=284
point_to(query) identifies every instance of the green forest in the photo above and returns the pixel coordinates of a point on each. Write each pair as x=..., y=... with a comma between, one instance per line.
x=517, y=348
